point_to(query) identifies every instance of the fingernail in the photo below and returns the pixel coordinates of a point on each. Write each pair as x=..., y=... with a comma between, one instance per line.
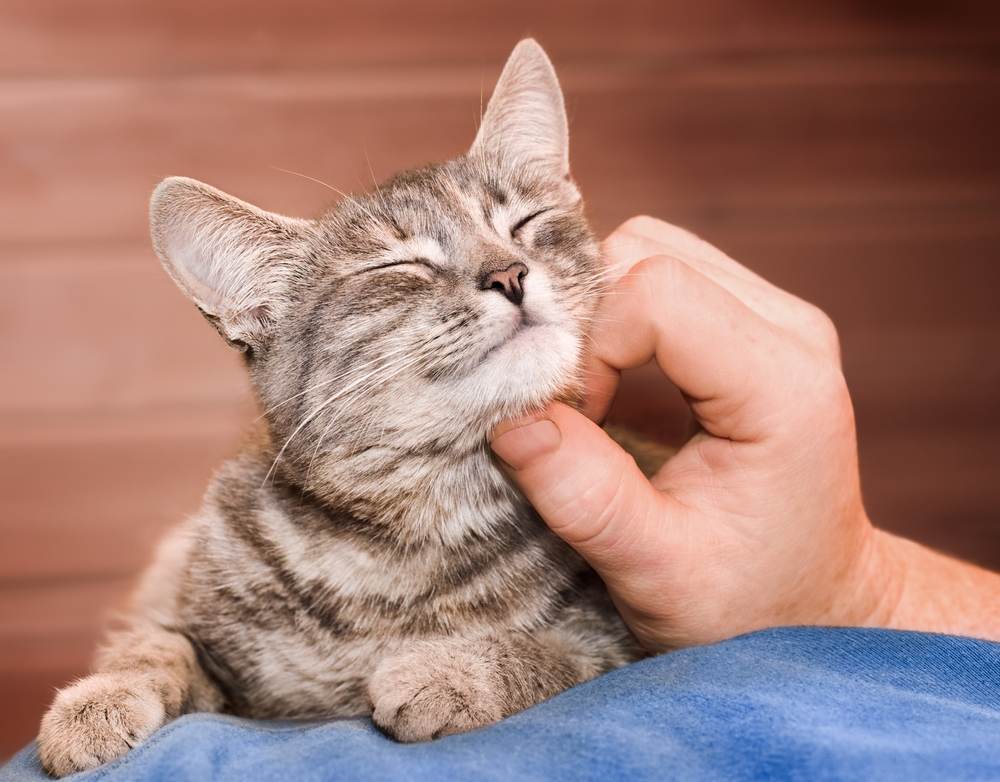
x=521, y=441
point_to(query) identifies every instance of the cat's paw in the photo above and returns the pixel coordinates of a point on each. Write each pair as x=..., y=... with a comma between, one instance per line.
x=96, y=720
x=434, y=689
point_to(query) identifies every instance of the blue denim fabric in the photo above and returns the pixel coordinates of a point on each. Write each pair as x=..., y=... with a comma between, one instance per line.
x=792, y=703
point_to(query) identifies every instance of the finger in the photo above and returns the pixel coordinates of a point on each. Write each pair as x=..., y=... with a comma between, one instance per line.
x=626, y=247
x=689, y=247
x=602, y=505
x=641, y=237
x=728, y=359
x=601, y=383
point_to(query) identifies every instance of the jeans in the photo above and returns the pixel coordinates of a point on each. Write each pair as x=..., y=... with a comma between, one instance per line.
x=789, y=703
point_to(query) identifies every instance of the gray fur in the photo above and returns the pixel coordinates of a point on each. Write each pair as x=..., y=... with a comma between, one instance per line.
x=364, y=554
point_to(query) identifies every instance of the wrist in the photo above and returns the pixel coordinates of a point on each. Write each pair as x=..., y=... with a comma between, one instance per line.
x=885, y=581
x=874, y=587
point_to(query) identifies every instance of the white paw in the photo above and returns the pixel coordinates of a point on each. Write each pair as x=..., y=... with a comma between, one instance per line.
x=433, y=690
x=96, y=720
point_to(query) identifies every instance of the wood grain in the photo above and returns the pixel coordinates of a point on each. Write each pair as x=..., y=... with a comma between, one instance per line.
x=110, y=141
x=107, y=37
x=847, y=151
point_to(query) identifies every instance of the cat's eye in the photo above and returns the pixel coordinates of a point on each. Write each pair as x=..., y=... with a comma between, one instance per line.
x=516, y=228
x=419, y=263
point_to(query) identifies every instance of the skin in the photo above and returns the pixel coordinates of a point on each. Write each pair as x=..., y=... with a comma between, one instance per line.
x=758, y=520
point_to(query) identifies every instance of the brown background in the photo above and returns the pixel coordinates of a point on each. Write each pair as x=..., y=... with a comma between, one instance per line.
x=846, y=150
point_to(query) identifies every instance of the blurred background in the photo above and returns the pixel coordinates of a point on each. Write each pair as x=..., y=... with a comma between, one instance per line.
x=846, y=150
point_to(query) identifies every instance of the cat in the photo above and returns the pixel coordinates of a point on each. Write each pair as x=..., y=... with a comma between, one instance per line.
x=365, y=554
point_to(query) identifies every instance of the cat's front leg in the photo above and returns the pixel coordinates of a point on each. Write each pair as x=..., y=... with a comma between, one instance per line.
x=144, y=678
x=442, y=686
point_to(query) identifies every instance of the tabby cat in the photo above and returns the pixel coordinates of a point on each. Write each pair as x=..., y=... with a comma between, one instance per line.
x=365, y=554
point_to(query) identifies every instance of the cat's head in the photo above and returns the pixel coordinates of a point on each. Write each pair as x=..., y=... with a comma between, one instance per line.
x=415, y=316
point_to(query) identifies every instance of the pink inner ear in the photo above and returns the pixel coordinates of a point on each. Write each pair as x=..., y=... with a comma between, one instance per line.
x=525, y=120
x=214, y=246
x=210, y=253
x=200, y=290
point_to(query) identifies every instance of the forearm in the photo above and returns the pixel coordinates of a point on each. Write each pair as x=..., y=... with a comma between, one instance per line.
x=921, y=589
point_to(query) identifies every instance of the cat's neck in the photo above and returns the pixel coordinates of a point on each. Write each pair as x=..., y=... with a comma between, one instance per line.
x=443, y=499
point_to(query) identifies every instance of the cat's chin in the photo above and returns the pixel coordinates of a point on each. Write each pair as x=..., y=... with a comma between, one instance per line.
x=537, y=364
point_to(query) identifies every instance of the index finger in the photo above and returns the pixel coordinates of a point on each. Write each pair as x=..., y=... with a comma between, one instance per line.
x=723, y=356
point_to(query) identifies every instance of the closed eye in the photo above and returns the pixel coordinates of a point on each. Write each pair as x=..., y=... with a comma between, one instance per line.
x=516, y=228
x=420, y=263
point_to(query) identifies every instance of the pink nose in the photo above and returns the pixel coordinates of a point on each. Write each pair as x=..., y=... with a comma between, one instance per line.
x=508, y=281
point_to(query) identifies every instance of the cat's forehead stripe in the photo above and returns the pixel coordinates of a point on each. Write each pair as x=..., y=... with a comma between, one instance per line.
x=494, y=192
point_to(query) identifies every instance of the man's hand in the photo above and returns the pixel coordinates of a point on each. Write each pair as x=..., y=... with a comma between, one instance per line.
x=758, y=520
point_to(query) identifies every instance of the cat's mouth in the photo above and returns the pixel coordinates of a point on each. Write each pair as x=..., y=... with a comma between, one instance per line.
x=520, y=327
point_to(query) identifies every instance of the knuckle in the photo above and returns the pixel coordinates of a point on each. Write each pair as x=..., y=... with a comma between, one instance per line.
x=831, y=399
x=830, y=383
x=821, y=328
x=642, y=224
x=823, y=324
x=657, y=230
x=814, y=394
x=659, y=267
x=655, y=280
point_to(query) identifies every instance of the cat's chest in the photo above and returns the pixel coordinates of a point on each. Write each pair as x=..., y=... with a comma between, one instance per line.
x=476, y=566
x=508, y=580
x=297, y=610
x=309, y=650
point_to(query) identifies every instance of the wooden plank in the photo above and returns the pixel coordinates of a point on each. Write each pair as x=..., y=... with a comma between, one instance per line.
x=933, y=380
x=48, y=634
x=38, y=610
x=82, y=159
x=870, y=283
x=87, y=504
x=957, y=512
x=101, y=330
x=62, y=38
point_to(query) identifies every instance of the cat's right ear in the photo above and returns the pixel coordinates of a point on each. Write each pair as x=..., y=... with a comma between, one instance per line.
x=233, y=260
x=524, y=124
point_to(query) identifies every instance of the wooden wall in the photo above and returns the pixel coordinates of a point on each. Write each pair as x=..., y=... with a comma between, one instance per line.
x=847, y=150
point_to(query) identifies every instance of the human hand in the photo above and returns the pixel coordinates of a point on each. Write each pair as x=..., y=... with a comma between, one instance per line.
x=758, y=520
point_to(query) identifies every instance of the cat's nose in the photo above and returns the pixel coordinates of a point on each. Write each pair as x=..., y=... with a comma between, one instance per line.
x=509, y=282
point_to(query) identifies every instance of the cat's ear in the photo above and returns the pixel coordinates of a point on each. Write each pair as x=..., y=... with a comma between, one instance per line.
x=232, y=259
x=525, y=121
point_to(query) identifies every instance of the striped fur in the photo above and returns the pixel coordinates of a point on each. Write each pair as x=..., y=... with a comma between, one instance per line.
x=364, y=554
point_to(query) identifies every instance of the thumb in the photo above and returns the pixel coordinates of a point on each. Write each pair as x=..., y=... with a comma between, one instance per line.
x=588, y=490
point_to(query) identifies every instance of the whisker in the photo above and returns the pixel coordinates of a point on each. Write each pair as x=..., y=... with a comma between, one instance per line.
x=375, y=383
x=378, y=190
x=309, y=418
x=327, y=185
x=328, y=381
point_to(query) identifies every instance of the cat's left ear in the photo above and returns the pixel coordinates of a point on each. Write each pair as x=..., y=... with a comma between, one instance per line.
x=525, y=121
